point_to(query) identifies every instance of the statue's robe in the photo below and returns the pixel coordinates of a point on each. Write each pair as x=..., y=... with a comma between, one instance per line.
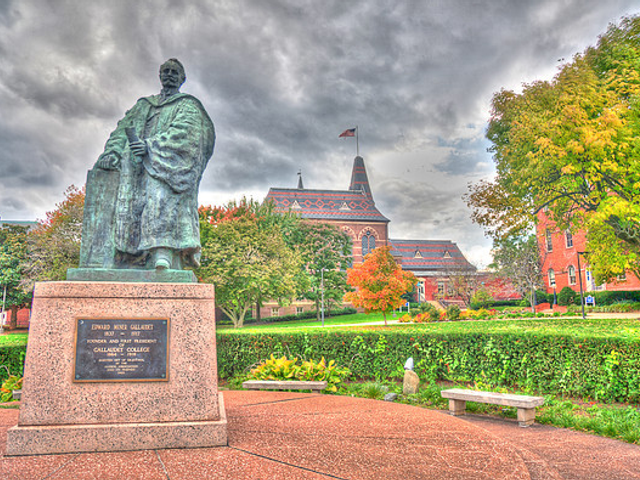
x=152, y=201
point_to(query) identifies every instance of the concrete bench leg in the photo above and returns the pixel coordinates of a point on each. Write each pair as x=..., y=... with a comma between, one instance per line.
x=457, y=407
x=526, y=416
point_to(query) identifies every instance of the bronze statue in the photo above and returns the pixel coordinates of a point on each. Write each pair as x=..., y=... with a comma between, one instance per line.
x=141, y=207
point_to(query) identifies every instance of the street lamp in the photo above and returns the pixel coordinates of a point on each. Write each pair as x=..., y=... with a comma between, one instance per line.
x=322, y=295
x=580, y=280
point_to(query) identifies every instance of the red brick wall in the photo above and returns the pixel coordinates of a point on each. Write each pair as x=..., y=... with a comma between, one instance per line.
x=356, y=230
x=561, y=257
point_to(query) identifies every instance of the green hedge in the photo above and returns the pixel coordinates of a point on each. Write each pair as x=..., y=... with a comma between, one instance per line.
x=601, y=368
x=606, y=369
x=610, y=297
x=13, y=358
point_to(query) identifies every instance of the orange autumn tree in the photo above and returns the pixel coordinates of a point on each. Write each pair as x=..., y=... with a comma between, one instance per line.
x=380, y=283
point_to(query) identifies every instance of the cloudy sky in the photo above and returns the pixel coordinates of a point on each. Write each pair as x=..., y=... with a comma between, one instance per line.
x=281, y=80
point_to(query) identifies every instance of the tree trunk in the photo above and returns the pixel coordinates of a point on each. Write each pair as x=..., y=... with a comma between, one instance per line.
x=13, y=322
x=258, y=316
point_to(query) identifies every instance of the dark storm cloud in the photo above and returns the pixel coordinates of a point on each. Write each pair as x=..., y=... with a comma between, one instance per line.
x=281, y=79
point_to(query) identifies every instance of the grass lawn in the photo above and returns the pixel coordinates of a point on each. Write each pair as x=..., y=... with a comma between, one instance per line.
x=356, y=318
x=626, y=328
x=11, y=339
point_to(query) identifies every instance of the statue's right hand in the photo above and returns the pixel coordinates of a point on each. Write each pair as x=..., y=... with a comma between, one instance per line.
x=108, y=162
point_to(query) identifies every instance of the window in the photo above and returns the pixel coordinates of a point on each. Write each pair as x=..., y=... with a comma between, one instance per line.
x=622, y=277
x=440, y=288
x=552, y=278
x=299, y=309
x=569, y=238
x=571, y=272
x=368, y=243
x=547, y=236
x=275, y=311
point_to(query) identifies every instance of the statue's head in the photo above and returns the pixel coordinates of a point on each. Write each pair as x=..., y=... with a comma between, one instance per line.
x=172, y=73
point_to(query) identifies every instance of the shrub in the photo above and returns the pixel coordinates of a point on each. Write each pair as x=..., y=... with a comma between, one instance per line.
x=453, y=312
x=481, y=299
x=431, y=313
x=567, y=296
x=308, y=370
x=8, y=386
x=12, y=357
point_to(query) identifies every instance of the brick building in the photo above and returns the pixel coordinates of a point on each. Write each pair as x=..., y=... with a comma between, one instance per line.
x=354, y=211
x=559, y=254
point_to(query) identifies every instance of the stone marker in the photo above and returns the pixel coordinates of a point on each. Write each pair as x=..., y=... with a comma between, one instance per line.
x=390, y=397
x=411, y=382
x=122, y=356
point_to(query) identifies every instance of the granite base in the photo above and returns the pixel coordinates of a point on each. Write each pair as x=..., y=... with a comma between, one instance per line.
x=57, y=439
x=130, y=275
x=60, y=415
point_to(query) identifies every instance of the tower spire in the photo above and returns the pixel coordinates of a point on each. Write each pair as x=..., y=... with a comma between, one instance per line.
x=359, y=179
x=300, y=185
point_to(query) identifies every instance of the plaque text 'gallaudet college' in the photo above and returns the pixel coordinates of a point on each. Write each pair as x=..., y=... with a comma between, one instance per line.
x=125, y=350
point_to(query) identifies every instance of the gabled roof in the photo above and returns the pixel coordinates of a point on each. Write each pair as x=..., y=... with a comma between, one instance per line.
x=327, y=204
x=430, y=255
x=355, y=204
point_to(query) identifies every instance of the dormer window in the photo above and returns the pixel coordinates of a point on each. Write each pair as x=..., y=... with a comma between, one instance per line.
x=446, y=254
x=296, y=205
x=344, y=206
x=417, y=254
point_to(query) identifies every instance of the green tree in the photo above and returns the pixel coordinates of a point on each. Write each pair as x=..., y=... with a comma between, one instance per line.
x=245, y=256
x=380, y=283
x=54, y=245
x=518, y=259
x=325, y=251
x=571, y=144
x=13, y=256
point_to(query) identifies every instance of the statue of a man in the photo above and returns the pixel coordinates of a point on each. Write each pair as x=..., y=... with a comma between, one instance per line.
x=141, y=208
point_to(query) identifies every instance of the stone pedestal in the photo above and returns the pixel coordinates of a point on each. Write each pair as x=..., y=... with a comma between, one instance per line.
x=61, y=415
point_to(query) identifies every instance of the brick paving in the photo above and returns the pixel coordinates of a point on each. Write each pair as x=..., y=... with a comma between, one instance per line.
x=278, y=435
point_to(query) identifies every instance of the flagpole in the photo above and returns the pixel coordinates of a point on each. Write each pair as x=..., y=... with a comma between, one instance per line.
x=357, y=143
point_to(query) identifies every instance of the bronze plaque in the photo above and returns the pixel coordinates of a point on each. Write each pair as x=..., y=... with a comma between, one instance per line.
x=109, y=350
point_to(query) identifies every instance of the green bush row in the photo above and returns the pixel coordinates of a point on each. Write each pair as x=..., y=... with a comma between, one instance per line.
x=602, y=369
x=605, y=369
x=12, y=357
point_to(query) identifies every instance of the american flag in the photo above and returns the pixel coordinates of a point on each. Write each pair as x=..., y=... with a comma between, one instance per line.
x=349, y=132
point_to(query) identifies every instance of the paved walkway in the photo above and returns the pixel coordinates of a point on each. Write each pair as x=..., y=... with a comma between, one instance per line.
x=276, y=435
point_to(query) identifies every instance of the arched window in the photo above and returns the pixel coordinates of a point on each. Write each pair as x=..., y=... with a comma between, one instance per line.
x=548, y=240
x=368, y=243
x=552, y=278
x=571, y=272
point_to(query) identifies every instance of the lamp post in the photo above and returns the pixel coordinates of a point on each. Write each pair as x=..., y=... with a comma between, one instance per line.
x=322, y=295
x=580, y=280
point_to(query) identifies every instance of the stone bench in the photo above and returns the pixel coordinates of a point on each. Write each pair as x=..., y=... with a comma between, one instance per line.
x=315, y=387
x=525, y=404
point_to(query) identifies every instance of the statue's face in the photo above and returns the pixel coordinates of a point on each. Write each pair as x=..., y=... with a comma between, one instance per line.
x=171, y=75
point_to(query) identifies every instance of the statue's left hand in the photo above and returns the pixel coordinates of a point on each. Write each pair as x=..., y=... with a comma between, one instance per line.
x=138, y=148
